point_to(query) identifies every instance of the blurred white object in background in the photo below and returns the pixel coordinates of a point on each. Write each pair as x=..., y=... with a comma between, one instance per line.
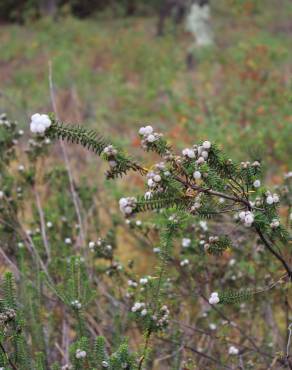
x=197, y=23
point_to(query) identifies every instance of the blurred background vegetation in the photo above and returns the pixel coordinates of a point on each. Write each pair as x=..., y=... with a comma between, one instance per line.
x=113, y=72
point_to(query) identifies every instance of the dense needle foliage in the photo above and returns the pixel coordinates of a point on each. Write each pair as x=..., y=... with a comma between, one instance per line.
x=69, y=302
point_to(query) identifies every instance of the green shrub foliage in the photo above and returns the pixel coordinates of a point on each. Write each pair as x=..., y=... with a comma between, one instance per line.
x=212, y=232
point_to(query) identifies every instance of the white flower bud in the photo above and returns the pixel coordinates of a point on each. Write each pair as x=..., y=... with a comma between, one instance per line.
x=148, y=195
x=249, y=218
x=270, y=200
x=276, y=198
x=197, y=175
x=188, y=153
x=39, y=123
x=151, y=138
x=142, y=131
x=91, y=245
x=214, y=298
x=233, y=350
x=275, y=223
x=143, y=281
x=157, y=178
x=204, y=154
x=123, y=202
x=144, y=312
x=186, y=242
x=148, y=130
x=184, y=262
x=151, y=183
x=200, y=160
x=206, y=145
x=257, y=183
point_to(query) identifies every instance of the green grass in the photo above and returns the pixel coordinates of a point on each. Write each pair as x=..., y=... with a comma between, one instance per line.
x=115, y=75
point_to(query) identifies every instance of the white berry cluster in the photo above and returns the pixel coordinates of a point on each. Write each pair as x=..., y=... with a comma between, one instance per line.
x=187, y=152
x=39, y=123
x=233, y=351
x=127, y=205
x=197, y=204
x=160, y=319
x=3, y=119
x=214, y=298
x=80, y=354
x=34, y=145
x=153, y=180
x=161, y=166
x=115, y=266
x=132, y=283
x=163, y=317
x=110, y=151
x=211, y=240
x=248, y=164
x=272, y=198
x=5, y=122
x=139, y=307
x=7, y=315
x=198, y=152
x=98, y=243
x=148, y=135
x=76, y=304
x=247, y=217
x=275, y=223
x=144, y=281
x=184, y=262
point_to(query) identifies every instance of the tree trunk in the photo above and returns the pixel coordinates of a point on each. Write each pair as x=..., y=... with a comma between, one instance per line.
x=48, y=7
x=167, y=8
x=131, y=8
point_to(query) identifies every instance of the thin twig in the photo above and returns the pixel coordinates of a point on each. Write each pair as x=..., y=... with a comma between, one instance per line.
x=7, y=357
x=275, y=253
x=247, y=204
x=289, y=340
x=15, y=269
x=43, y=225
